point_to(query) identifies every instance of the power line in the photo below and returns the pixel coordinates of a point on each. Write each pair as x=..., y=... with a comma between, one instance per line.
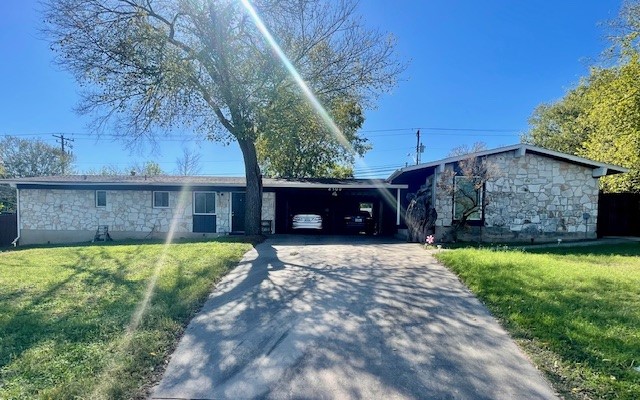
x=435, y=128
x=452, y=134
x=63, y=141
x=409, y=131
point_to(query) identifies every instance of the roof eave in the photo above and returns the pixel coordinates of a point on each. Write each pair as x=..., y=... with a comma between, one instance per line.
x=283, y=184
x=608, y=169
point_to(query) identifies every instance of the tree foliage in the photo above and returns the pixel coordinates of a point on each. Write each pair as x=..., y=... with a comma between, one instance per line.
x=600, y=117
x=600, y=120
x=23, y=158
x=614, y=117
x=149, y=65
x=146, y=168
x=560, y=126
x=296, y=143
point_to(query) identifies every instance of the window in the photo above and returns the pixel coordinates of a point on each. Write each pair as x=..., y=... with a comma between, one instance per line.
x=160, y=199
x=204, y=202
x=467, y=198
x=101, y=198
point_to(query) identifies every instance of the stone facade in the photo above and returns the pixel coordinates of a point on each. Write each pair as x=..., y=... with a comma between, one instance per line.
x=269, y=208
x=59, y=216
x=530, y=198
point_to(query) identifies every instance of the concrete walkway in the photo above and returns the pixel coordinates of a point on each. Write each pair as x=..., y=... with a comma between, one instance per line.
x=346, y=318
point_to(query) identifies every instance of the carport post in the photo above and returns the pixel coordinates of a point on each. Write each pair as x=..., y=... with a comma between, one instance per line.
x=398, y=207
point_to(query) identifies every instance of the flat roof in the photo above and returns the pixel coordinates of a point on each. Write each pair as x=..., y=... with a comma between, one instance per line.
x=177, y=180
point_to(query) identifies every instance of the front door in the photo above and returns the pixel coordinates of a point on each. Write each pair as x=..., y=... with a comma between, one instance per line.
x=237, y=212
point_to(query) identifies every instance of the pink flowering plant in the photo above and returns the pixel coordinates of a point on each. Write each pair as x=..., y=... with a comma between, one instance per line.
x=430, y=240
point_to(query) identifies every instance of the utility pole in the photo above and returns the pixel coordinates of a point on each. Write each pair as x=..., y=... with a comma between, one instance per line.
x=419, y=147
x=63, y=141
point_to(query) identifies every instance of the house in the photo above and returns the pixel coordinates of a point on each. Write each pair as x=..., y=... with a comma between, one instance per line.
x=534, y=194
x=65, y=209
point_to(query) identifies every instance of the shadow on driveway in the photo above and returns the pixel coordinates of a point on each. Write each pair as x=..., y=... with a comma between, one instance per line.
x=318, y=317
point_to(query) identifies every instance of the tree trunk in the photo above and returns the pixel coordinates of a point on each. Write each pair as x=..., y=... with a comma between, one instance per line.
x=253, y=199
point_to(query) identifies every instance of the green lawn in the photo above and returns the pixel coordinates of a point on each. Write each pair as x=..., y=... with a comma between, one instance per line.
x=576, y=311
x=66, y=326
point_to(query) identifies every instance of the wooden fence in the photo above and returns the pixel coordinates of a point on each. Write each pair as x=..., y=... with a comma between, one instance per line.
x=8, y=228
x=619, y=214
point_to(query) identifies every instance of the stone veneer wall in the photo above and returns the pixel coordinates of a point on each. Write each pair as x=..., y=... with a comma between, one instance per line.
x=269, y=208
x=532, y=197
x=58, y=216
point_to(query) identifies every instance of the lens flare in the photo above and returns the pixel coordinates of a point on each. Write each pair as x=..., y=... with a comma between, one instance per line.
x=311, y=97
x=111, y=371
x=308, y=93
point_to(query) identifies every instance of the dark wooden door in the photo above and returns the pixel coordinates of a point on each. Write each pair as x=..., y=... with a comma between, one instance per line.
x=237, y=211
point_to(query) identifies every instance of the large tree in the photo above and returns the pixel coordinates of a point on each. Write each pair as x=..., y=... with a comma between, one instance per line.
x=561, y=125
x=149, y=65
x=614, y=120
x=32, y=157
x=22, y=158
x=296, y=143
x=600, y=117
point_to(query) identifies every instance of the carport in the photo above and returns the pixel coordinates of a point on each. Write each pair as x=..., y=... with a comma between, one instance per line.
x=334, y=199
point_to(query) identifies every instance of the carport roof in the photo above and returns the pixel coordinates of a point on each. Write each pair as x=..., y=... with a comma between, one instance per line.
x=172, y=180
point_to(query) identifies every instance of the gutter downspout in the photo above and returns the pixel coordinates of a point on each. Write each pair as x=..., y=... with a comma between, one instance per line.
x=397, y=207
x=15, y=241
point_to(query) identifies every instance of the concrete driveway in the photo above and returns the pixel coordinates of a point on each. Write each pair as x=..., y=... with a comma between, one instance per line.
x=346, y=318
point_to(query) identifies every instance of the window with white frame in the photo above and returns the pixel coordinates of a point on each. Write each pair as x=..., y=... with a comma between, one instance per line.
x=467, y=198
x=204, y=203
x=160, y=199
x=101, y=198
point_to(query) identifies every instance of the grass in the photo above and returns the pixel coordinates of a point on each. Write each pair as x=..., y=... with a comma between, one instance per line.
x=575, y=311
x=66, y=312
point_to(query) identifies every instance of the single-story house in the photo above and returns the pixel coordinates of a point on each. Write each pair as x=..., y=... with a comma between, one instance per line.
x=64, y=209
x=532, y=194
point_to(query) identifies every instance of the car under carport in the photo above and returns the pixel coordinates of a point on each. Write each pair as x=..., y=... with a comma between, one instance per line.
x=335, y=199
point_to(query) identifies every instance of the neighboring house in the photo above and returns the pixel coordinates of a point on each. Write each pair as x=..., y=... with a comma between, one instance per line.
x=534, y=194
x=64, y=209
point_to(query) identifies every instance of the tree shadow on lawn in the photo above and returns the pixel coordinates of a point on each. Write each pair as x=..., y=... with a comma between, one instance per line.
x=254, y=240
x=624, y=249
x=51, y=315
x=91, y=306
x=290, y=322
x=592, y=324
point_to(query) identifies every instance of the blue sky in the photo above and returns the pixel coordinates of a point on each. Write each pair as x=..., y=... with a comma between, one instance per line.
x=477, y=70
